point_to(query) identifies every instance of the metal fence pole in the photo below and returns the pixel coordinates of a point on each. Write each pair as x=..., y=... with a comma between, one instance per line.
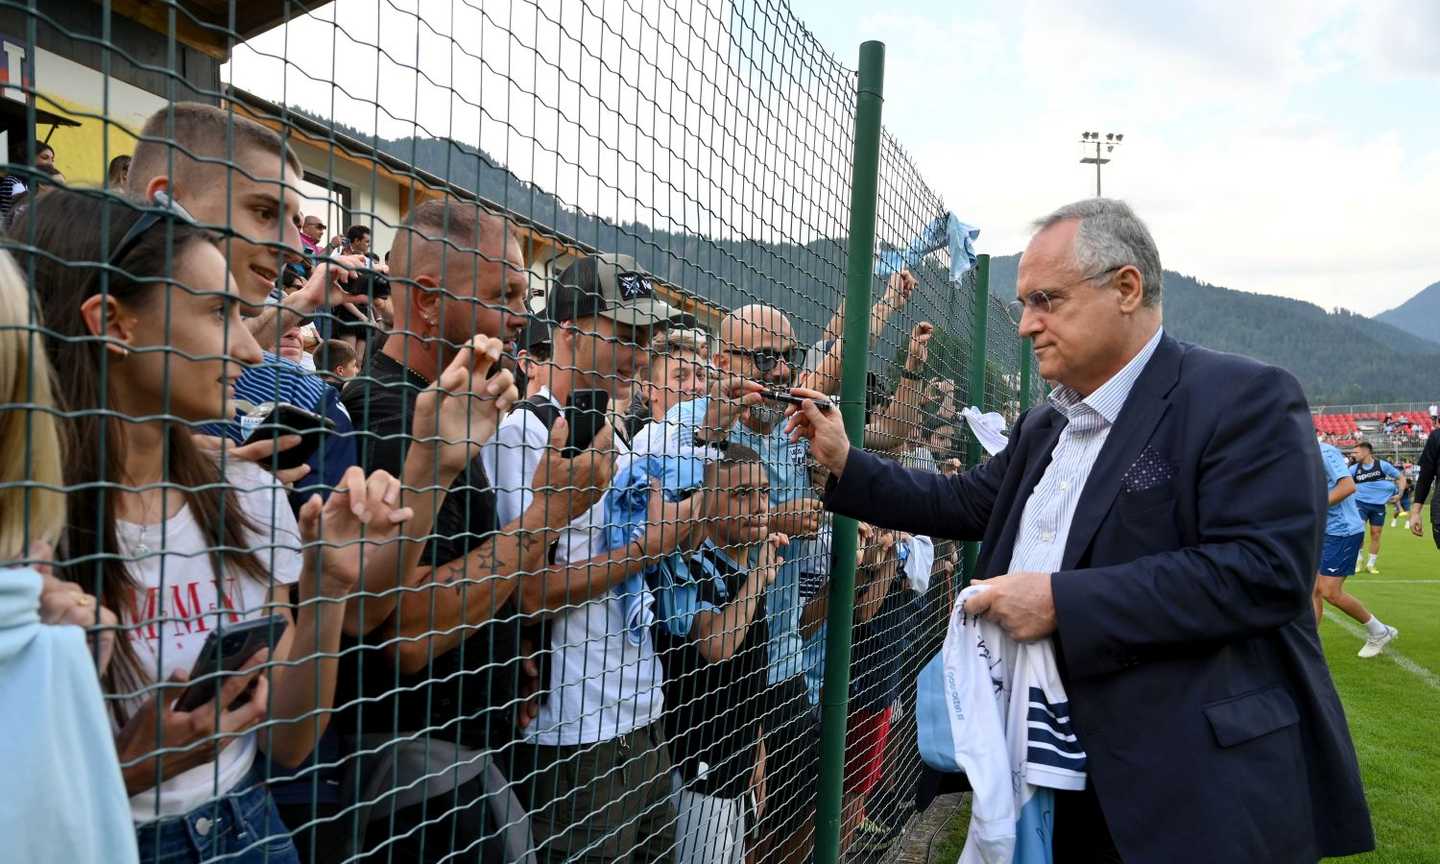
x=979, y=329
x=854, y=356
x=1025, y=361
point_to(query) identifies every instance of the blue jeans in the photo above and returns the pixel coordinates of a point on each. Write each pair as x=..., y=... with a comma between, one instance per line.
x=243, y=827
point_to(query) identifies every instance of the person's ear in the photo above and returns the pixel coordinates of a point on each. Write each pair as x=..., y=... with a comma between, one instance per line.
x=103, y=316
x=426, y=299
x=1131, y=289
x=156, y=184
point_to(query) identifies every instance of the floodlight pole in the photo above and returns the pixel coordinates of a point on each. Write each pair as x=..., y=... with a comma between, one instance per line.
x=1110, y=141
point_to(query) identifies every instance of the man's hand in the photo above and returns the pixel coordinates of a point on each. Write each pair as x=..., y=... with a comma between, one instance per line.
x=1021, y=603
x=730, y=396
x=327, y=284
x=768, y=562
x=672, y=525
x=258, y=452
x=463, y=410
x=899, y=289
x=565, y=488
x=824, y=429
x=361, y=509
x=1416, y=526
x=919, y=346
x=798, y=518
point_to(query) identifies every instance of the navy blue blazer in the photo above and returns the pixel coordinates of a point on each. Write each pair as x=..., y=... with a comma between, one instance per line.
x=1186, y=636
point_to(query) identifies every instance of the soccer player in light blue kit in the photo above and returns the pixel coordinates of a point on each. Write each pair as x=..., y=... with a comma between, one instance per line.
x=1344, y=537
x=1376, y=482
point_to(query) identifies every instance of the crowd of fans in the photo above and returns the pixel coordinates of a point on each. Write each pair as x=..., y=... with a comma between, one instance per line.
x=518, y=585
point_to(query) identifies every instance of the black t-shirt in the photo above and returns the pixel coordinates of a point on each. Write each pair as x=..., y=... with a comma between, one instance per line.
x=475, y=684
x=713, y=710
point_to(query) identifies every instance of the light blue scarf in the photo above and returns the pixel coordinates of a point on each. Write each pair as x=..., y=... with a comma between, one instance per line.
x=946, y=231
x=627, y=519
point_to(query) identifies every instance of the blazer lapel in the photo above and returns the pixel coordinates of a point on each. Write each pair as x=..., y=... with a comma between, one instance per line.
x=1037, y=458
x=1147, y=403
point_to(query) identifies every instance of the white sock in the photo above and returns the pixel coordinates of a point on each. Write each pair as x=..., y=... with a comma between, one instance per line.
x=1372, y=560
x=1375, y=628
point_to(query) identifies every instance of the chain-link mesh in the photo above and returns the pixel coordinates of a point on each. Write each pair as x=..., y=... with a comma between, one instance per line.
x=409, y=369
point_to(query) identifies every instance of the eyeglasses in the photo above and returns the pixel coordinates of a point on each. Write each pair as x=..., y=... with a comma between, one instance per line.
x=766, y=359
x=1043, y=302
x=165, y=208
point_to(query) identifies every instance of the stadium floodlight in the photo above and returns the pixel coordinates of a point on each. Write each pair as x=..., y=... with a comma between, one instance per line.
x=1088, y=139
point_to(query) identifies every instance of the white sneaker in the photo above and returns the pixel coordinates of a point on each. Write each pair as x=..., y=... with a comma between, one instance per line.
x=1376, y=644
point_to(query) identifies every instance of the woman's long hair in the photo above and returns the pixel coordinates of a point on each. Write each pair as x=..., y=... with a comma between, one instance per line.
x=61, y=243
x=32, y=506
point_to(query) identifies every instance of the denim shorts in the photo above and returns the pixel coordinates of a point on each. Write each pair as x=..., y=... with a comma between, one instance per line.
x=243, y=827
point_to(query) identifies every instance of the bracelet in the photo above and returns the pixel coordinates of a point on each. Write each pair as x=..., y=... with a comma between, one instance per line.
x=640, y=546
x=720, y=445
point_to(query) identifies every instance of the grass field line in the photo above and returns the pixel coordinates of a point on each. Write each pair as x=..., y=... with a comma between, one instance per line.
x=1400, y=659
x=1369, y=582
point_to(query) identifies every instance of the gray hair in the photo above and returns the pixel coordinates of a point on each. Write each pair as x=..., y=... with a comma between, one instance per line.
x=1112, y=236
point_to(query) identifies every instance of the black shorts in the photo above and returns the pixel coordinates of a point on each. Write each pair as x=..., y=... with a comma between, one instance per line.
x=792, y=759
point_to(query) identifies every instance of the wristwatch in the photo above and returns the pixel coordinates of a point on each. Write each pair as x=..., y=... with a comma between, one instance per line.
x=910, y=376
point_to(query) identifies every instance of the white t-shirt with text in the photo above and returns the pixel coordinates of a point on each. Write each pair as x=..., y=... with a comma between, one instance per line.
x=179, y=605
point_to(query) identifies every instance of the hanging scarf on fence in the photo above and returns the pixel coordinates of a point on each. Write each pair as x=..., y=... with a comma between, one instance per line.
x=945, y=232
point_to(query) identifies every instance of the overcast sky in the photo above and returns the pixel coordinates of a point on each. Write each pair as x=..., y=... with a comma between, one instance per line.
x=1287, y=147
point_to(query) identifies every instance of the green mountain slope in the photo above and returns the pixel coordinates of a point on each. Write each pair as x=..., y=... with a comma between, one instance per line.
x=1420, y=315
x=1338, y=356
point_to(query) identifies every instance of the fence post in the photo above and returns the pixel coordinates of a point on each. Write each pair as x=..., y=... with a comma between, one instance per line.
x=1025, y=361
x=859, y=263
x=975, y=395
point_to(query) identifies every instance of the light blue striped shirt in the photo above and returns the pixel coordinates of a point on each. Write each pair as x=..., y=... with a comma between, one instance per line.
x=1045, y=525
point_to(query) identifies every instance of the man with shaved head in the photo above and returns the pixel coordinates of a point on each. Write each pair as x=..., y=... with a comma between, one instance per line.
x=758, y=344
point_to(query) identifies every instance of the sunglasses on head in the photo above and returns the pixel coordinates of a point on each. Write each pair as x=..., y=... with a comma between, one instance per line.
x=766, y=359
x=165, y=208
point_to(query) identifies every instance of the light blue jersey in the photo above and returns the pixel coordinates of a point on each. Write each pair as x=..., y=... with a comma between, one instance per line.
x=1343, y=519
x=1374, y=482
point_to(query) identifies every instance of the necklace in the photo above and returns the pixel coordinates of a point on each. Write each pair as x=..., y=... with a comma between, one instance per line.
x=415, y=377
x=142, y=544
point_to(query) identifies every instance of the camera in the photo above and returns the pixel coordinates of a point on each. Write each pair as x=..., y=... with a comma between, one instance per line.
x=372, y=283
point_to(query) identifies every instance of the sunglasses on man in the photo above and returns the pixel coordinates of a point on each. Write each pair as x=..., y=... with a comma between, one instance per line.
x=766, y=359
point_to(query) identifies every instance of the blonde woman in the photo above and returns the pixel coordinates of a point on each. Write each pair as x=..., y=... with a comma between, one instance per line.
x=65, y=798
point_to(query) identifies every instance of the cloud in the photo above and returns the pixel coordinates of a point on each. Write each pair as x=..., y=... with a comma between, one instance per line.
x=1272, y=146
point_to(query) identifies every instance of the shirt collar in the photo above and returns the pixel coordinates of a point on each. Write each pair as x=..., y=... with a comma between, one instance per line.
x=1108, y=398
x=710, y=548
x=544, y=393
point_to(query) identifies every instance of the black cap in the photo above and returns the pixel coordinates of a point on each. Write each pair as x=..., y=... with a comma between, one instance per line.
x=536, y=332
x=611, y=286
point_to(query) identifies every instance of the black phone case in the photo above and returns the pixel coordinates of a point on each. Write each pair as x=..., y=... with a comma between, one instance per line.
x=263, y=632
x=292, y=420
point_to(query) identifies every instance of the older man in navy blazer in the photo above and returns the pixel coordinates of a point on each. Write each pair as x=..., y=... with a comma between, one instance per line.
x=1160, y=517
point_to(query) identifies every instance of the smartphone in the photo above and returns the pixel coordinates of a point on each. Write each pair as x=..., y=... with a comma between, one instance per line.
x=585, y=414
x=285, y=419
x=788, y=399
x=226, y=650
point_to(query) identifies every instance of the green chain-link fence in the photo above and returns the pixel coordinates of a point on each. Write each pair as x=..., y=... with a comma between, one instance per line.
x=585, y=638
